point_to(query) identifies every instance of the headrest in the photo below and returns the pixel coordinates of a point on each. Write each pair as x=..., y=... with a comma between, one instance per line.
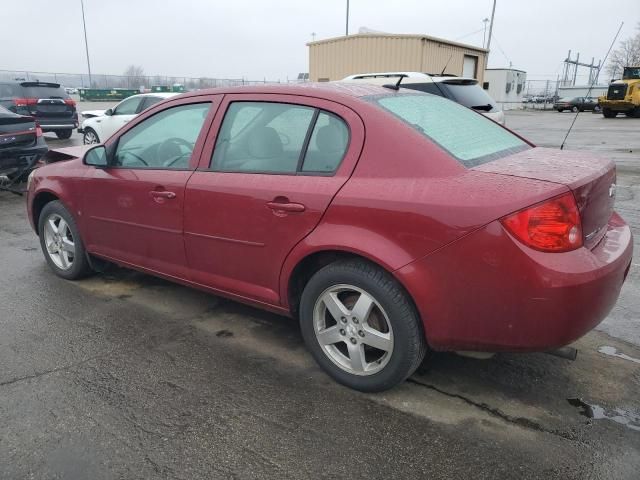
x=265, y=142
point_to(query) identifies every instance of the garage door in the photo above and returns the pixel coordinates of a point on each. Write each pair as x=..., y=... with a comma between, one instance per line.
x=470, y=66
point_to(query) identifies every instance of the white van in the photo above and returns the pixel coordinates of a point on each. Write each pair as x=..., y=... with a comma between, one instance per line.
x=464, y=91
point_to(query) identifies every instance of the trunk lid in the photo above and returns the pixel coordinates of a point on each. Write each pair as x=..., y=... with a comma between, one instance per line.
x=591, y=179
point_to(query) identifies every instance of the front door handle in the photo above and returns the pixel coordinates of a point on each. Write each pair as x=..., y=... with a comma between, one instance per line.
x=162, y=194
x=286, y=207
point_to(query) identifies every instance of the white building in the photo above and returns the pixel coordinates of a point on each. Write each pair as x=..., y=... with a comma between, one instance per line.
x=506, y=86
x=582, y=90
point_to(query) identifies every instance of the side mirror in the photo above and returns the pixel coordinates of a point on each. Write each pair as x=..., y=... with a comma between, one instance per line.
x=108, y=112
x=96, y=157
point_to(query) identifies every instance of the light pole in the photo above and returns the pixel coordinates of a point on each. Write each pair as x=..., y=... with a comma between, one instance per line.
x=347, y=26
x=86, y=44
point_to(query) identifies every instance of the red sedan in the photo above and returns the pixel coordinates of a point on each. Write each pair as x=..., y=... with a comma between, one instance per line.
x=389, y=222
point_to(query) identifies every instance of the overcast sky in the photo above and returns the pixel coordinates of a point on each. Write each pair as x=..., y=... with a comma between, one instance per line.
x=257, y=38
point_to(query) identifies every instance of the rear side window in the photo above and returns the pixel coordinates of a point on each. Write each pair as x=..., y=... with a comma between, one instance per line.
x=466, y=135
x=328, y=144
x=267, y=137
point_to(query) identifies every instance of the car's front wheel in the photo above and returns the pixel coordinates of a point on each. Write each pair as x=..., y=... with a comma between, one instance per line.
x=574, y=109
x=61, y=243
x=64, y=134
x=361, y=326
x=90, y=136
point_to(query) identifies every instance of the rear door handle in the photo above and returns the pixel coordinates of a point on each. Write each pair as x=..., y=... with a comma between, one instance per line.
x=286, y=207
x=162, y=194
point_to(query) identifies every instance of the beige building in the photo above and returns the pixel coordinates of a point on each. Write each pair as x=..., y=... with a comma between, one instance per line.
x=335, y=58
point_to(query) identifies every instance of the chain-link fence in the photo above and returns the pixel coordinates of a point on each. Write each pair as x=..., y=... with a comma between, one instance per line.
x=78, y=80
x=540, y=94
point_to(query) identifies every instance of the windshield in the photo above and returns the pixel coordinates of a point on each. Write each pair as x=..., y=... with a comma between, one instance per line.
x=469, y=137
x=631, y=73
x=470, y=95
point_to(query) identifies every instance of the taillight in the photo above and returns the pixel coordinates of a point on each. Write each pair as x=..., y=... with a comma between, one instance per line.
x=38, y=130
x=550, y=226
x=23, y=102
x=70, y=101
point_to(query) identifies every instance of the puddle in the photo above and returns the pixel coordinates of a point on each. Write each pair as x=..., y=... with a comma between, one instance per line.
x=613, y=351
x=618, y=415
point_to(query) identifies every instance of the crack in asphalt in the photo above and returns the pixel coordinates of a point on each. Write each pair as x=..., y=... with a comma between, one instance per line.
x=48, y=372
x=496, y=412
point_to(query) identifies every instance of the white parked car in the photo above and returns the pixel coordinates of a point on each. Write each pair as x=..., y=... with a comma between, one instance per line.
x=464, y=91
x=101, y=124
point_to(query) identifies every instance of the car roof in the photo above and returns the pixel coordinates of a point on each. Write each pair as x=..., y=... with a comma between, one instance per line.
x=329, y=90
x=381, y=78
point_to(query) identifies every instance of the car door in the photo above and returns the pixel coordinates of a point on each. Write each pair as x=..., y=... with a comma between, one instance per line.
x=121, y=114
x=271, y=166
x=133, y=208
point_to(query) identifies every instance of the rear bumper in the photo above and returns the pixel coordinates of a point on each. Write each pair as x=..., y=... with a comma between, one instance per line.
x=15, y=158
x=488, y=292
x=53, y=124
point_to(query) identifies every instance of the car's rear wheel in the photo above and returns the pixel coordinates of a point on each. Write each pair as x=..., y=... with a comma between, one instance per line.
x=575, y=109
x=361, y=326
x=61, y=243
x=64, y=134
x=90, y=136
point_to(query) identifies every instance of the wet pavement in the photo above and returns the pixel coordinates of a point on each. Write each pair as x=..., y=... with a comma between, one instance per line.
x=122, y=375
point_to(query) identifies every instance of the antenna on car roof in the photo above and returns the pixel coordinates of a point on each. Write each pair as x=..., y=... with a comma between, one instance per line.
x=591, y=86
x=446, y=65
x=395, y=86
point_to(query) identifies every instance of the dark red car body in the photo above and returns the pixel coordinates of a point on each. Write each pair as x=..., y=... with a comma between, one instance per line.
x=397, y=199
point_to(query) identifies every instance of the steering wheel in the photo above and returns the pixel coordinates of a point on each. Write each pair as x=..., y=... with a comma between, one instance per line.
x=137, y=157
x=175, y=141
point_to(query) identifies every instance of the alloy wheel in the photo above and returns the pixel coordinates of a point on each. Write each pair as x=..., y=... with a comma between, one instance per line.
x=59, y=242
x=90, y=137
x=353, y=329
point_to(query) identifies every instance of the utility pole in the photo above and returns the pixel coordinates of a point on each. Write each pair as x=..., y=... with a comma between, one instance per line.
x=484, y=34
x=347, y=26
x=488, y=47
x=86, y=44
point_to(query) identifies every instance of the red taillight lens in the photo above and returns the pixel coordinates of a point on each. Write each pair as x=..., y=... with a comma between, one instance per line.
x=38, y=130
x=22, y=102
x=551, y=226
x=70, y=101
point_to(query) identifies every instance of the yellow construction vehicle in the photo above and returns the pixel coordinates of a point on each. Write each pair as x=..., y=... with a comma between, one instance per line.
x=623, y=95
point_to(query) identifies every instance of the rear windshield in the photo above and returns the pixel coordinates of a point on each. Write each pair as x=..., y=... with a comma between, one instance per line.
x=468, y=136
x=43, y=91
x=469, y=95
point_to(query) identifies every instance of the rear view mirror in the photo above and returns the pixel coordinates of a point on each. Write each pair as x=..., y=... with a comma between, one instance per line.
x=108, y=112
x=96, y=157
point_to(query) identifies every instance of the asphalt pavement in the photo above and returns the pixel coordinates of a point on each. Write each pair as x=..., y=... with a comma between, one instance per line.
x=122, y=375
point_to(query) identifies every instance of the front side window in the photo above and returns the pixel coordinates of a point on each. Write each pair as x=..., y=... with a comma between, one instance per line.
x=467, y=136
x=163, y=141
x=128, y=106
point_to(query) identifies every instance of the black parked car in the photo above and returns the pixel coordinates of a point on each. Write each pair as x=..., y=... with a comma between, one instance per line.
x=576, y=104
x=48, y=103
x=21, y=144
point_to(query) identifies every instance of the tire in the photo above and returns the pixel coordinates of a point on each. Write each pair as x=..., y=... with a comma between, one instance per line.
x=68, y=262
x=608, y=113
x=560, y=110
x=392, y=324
x=64, y=134
x=90, y=137
x=575, y=109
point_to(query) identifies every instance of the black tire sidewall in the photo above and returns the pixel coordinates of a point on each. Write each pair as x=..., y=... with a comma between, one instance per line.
x=402, y=316
x=80, y=267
